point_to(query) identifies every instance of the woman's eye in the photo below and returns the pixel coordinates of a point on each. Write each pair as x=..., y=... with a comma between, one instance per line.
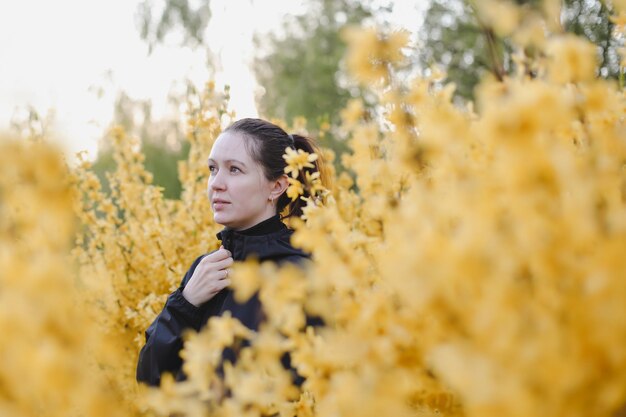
x=234, y=169
x=211, y=168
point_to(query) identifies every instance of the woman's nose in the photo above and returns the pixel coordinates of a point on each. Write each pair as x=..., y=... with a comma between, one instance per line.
x=216, y=182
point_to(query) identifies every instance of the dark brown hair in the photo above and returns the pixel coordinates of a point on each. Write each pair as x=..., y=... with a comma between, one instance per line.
x=266, y=143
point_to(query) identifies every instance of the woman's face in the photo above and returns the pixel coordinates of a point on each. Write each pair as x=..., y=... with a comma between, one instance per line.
x=237, y=188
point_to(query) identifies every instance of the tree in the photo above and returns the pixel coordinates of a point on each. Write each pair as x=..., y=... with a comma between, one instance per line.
x=467, y=48
x=453, y=40
x=299, y=69
x=590, y=18
x=156, y=23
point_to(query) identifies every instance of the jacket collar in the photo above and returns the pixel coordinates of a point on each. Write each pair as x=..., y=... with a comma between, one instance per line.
x=268, y=239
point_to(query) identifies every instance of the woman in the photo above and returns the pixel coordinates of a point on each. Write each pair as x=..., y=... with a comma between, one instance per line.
x=246, y=188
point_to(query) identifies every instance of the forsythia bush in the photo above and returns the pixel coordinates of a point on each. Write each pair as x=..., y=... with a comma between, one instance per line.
x=470, y=261
x=135, y=245
x=48, y=347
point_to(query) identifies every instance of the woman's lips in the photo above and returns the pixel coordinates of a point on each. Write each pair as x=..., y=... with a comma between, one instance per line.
x=219, y=204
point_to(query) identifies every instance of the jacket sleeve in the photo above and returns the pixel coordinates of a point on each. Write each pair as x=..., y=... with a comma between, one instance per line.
x=164, y=336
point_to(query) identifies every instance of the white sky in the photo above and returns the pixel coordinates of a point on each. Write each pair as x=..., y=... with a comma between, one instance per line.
x=53, y=54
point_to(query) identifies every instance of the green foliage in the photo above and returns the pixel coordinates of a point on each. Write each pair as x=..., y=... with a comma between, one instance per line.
x=453, y=39
x=590, y=19
x=161, y=161
x=162, y=143
x=191, y=17
x=299, y=68
x=467, y=49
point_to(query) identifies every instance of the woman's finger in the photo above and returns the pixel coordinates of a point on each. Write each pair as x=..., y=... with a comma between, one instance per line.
x=220, y=285
x=224, y=263
x=218, y=255
x=225, y=274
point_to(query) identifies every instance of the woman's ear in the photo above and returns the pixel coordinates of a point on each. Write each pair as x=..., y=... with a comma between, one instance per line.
x=279, y=186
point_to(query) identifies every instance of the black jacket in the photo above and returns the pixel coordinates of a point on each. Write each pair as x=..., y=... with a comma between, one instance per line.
x=268, y=240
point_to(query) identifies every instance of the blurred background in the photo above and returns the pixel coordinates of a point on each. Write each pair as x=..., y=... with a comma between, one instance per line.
x=69, y=69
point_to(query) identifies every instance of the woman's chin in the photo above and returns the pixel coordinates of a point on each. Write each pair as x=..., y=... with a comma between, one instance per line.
x=224, y=220
x=219, y=218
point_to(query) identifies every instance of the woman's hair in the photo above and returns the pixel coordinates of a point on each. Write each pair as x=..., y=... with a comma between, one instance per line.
x=266, y=144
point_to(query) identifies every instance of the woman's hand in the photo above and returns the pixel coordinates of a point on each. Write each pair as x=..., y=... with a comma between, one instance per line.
x=209, y=277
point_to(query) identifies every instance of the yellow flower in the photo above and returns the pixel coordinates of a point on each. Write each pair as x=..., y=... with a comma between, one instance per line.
x=295, y=189
x=298, y=160
x=370, y=52
x=245, y=279
x=299, y=124
x=310, y=208
x=314, y=183
x=437, y=73
x=502, y=15
x=572, y=59
x=352, y=113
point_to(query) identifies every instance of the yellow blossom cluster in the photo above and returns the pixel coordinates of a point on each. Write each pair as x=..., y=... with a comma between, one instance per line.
x=134, y=245
x=469, y=261
x=297, y=161
x=374, y=53
x=49, y=349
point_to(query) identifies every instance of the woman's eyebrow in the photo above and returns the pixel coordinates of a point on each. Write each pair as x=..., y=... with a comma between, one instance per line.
x=229, y=161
